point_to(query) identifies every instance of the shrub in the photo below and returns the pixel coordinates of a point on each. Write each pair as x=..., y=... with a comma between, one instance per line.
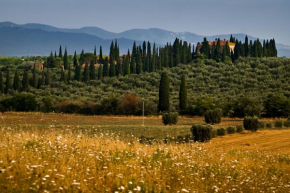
x=24, y=102
x=221, y=131
x=213, y=116
x=47, y=105
x=261, y=125
x=287, y=123
x=239, y=128
x=170, y=118
x=269, y=125
x=231, y=130
x=279, y=123
x=201, y=133
x=251, y=123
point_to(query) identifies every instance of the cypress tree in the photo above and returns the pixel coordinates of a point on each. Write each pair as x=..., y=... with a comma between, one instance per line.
x=218, y=51
x=65, y=60
x=8, y=83
x=127, y=65
x=265, y=52
x=63, y=77
x=77, y=73
x=101, y=56
x=34, y=78
x=134, y=50
x=246, y=46
x=183, y=93
x=213, y=54
x=255, y=49
x=176, y=56
x=100, y=72
x=81, y=60
x=112, y=52
x=224, y=54
x=120, y=68
x=16, y=82
x=148, y=59
x=144, y=56
x=95, y=51
x=69, y=74
x=164, y=93
x=1, y=83
x=153, y=59
x=92, y=70
x=112, y=70
x=116, y=49
x=75, y=60
x=25, y=83
x=106, y=67
x=139, y=63
x=60, y=52
x=189, y=54
x=47, y=78
x=86, y=75
x=133, y=66
x=54, y=54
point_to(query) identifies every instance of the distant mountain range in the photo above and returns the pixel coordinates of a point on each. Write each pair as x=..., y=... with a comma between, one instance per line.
x=40, y=39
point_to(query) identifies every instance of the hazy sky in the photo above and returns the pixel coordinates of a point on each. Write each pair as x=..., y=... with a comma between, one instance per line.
x=260, y=18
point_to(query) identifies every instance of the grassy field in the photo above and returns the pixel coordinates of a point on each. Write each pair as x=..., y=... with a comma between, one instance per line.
x=71, y=153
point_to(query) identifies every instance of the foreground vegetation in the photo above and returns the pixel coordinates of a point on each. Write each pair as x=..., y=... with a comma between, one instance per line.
x=61, y=153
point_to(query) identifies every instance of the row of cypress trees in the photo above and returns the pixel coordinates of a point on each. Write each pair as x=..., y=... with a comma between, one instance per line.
x=164, y=93
x=246, y=49
x=23, y=85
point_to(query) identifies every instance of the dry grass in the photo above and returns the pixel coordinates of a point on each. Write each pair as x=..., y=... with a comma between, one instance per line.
x=65, y=156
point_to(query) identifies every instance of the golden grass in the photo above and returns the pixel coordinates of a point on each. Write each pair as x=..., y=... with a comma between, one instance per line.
x=40, y=157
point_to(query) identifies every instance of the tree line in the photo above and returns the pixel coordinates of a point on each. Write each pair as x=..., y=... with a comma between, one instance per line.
x=246, y=49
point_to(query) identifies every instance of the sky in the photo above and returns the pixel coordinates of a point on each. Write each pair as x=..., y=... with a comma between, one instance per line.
x=260, y=18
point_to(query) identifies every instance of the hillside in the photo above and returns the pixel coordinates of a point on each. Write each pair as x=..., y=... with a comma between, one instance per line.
x=17, y=41
x=210, y=84
x=160, y=36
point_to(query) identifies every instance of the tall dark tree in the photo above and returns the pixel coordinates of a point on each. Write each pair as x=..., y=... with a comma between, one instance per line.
x=75, y=60
x=246, y=47
x=218, y=51
x=127, y=64
x=132, y=66
x=189, y=54
x=100, y=72
x=8, y=83
x=148, y=59
x=106, y=67
x=164, y=103
x=63, y=76
x=92, y=70
x=69, y=74
x=101, y=56
x=153, y=62
x=25, y=81
x=139, y=63
x=95, y=51
x=176, y=56
x=60, y=52
x=16, y=82
x=119, y=68
x=1, y=83
x=112, y=70
x=34, y=78
x=65, y=60
x=86, y=75
x=183, y=93
x=112, y=52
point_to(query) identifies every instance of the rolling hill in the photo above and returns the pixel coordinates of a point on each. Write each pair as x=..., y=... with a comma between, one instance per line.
x=87, y=37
